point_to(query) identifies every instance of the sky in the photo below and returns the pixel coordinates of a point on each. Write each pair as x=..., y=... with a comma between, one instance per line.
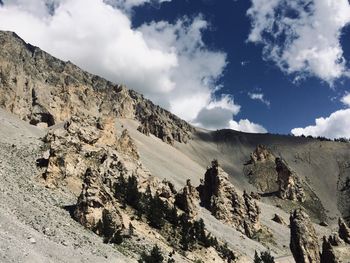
x=258, y=66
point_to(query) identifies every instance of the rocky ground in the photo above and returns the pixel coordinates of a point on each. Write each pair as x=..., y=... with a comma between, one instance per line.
x=35, y=226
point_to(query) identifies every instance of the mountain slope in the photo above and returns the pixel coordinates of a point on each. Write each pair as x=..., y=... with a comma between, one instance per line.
x=85, y=122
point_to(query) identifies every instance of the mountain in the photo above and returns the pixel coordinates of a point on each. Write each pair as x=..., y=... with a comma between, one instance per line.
x=92, y=171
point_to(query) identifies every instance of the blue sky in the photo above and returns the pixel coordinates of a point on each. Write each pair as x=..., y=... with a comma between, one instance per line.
x=281, y=67
x=291, y=104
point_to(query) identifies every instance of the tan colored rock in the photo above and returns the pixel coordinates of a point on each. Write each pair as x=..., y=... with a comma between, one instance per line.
x=48, y=90
x=219, y=196
x=261, y=154
x=187, y=200
x=289, y=184
x=127, y=145
x=303, y=241
x=96, y=209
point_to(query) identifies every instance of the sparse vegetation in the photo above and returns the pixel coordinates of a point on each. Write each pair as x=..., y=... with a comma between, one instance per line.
x=185, y=234
x=155, y=256
x=265, y=257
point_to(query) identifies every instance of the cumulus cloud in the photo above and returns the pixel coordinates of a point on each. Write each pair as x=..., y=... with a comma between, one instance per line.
x=302, y=37
x=346, y=99
x=260, y=97
x=168, y=62
x=335, y=126
x=245, y=125
x=218, y=114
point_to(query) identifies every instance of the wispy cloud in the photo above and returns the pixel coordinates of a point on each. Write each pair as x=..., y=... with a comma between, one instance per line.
x=260, y=97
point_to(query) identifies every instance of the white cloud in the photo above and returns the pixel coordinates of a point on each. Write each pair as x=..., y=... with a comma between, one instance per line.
x=302, y=37
x=169, y=63
x=335, y=126
x=218, y=114
x=259, y=97
x=245, y=125
x=346, y=99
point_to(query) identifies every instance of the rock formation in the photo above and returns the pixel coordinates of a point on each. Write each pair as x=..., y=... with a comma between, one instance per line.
x=78, y=144
x=344, y=231
x=96, y=209
x=220, y=197
x=45, y=91
x=261, y=170
x=272, y=175
x=187, y=200
x=328, y=253
x=336, y=248
x=278, y=219
x=289, y=184
x=127, y=145
x=303, y=241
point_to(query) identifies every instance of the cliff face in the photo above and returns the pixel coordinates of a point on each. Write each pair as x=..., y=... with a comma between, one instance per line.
x=45, y=91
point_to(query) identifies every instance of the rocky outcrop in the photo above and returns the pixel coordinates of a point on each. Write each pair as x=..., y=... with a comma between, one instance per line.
x=343, y=190
x=261, y=170
x=127, y=145
x=289, y=183
x=344, y=231
x=272, y=175
x=336, y=248
x=96, y=209
x=187, y=200
x=261, y=154
x=78, y=144
x=303, y=240
x=328, y=253
x=220, y=197
x=45, y=91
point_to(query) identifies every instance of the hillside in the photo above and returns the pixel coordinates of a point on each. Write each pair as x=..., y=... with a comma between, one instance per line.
x=70, y=138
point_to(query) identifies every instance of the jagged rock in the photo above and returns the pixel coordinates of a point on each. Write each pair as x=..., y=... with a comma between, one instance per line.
x=289, y=184
x=278, y=219
x=85, y=141
x=335, y=240
x=328, y=253
x=48, y=90
x=261, y=154
x=303, y=240
x=71, y=150
x=166, y=191
x=95, y=208
x=186, y=200
x=253, y=212
x=344, y=231
x=219, y=196
x=127, y=145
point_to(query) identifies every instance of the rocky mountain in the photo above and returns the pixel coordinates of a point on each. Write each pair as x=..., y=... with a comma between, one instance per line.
x=91, y=171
